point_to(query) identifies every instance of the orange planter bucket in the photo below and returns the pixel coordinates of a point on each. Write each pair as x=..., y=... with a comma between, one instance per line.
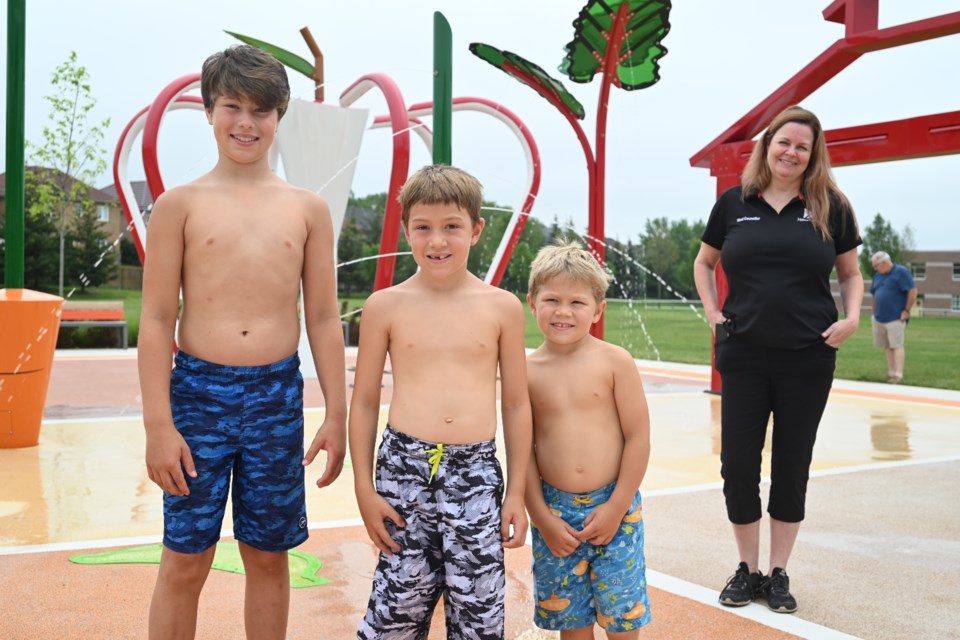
x=29, y=324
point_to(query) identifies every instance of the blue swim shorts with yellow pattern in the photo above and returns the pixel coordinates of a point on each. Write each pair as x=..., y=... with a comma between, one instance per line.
x=605, y=584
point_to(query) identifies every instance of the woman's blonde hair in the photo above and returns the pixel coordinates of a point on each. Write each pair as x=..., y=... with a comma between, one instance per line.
x=569, y=260
x=820, y=192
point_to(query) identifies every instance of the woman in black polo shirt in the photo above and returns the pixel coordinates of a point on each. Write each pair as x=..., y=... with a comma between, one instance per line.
x=779, y=235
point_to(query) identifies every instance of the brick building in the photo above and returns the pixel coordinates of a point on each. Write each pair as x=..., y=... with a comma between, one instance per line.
x=937, y=275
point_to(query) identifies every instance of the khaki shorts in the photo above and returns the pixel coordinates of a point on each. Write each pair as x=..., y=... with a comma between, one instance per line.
x=889, y=335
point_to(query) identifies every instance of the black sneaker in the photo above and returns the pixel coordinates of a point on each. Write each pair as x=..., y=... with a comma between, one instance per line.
x=742, y=587
x=777, y=590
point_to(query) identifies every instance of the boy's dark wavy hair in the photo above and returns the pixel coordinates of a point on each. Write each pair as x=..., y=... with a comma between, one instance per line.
x=243, y=71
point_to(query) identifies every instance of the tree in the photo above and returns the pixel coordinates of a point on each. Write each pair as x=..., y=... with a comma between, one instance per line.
x=40, y=242
x=881, y=236
x=660, y=252
x=623, y=262
x=517, y=275
x=40, y=252
x=556, y=233
x=128, y=253
x=71, y=155
x=89, y=254
x=350, y=247
x=687, y=237
x=684, y=270
x=908, y=245
x=481, y=254
x=363, y=225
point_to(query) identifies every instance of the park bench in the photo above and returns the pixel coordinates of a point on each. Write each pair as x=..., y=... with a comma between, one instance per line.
x=95, y=314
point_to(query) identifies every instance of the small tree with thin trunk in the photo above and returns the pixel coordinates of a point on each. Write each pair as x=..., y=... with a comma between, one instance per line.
x=90, y=257
x=71, y=155
x=881, y=236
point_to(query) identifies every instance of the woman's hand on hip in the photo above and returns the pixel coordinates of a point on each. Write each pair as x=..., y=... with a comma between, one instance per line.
x=837, y=333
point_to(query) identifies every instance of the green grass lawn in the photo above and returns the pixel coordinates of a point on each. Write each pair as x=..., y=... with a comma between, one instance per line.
x=673, y=333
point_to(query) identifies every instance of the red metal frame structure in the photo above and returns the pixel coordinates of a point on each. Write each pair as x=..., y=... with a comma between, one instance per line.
x=399, y=167
x=595, y=227
x=400, y=121
x=917, y=137
x=484, y=105
x=151, y=130
x=120, y=158
x=596, y=159
x=150, y=118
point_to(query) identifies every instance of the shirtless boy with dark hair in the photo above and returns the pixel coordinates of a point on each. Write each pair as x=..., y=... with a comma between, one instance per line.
x=239, y=242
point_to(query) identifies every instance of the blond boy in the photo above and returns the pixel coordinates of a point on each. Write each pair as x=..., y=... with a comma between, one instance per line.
x=239, y=242
x=591, y=447
x=435, y=511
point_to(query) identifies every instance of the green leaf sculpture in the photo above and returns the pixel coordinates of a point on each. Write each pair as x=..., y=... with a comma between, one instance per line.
x=640, y=51
x=531, y=75
x=304, y=567
x=291, y=60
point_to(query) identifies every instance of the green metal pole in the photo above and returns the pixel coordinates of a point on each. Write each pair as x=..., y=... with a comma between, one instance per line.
x=442, y=90
x=16, y=30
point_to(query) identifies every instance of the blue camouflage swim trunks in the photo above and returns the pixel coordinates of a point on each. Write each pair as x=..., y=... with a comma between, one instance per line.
x=605, y=584
x=246, y=422
x=450, y=497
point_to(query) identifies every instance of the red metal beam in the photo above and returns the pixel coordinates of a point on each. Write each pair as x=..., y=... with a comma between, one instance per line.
x=856, y=15
x=909, y=33
x=390, y=237
x=827, y=65
x=919, y=137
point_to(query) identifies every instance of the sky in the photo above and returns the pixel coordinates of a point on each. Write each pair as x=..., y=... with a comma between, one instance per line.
x=723, y=58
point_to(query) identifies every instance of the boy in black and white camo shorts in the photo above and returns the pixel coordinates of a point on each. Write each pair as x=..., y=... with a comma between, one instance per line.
x=435, y=512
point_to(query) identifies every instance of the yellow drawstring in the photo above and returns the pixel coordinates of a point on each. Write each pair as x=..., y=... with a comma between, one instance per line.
x=578, y=500
x=435, y=455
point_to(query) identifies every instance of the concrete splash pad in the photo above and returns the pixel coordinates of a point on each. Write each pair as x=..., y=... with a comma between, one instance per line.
x=886, y=468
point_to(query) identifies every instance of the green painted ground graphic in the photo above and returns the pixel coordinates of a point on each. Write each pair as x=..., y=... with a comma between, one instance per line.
x=304, y=568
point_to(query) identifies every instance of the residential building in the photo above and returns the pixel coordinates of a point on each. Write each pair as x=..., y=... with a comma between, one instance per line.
x=107, y=208
x=144, y=200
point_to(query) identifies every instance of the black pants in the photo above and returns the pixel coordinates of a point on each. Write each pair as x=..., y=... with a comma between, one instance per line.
x=793, y=385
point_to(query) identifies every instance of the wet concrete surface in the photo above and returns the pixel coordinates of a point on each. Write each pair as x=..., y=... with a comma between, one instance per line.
x=877, y=557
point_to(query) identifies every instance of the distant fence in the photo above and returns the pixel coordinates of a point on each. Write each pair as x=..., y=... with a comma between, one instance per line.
x=654, y=303
x=919, y=311
x=131, y=277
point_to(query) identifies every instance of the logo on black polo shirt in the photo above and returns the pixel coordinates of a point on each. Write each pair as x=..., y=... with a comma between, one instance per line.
x=748, y=219
x=805, y=218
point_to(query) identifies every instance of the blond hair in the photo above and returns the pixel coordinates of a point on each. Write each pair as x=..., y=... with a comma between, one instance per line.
x=821, y=195
x=441, y=184
x=569, y=260
x=244, y=71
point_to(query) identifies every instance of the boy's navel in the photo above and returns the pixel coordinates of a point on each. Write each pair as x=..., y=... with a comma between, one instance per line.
x=448, y=420
x=244, y=333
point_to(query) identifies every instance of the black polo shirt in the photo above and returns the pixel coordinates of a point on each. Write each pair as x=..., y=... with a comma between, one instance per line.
x=778, y=268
